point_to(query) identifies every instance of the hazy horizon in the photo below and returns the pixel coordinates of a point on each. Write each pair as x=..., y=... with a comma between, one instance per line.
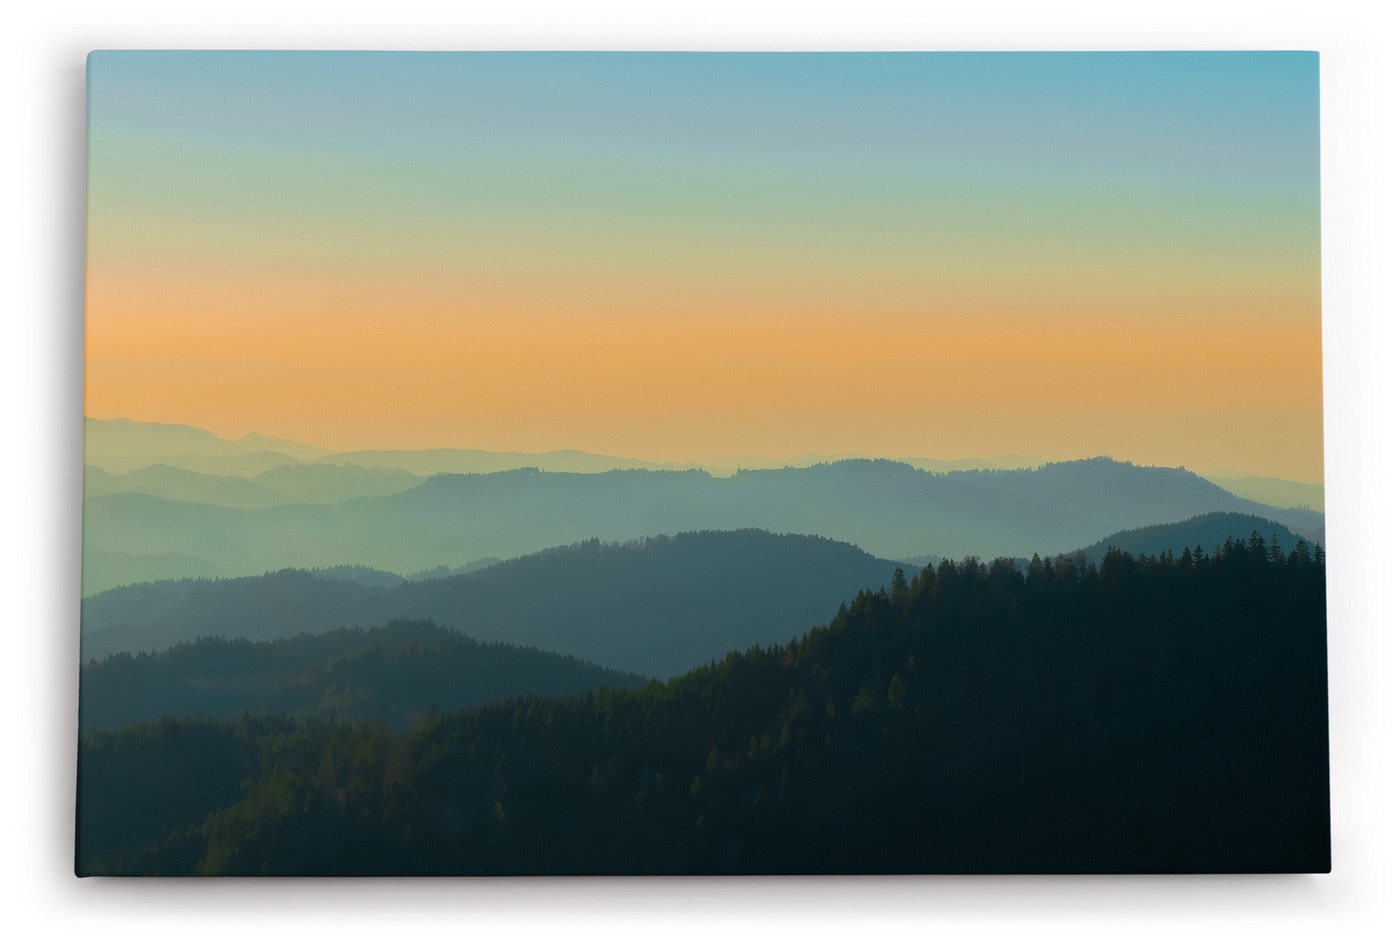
x=714, y=256
x=998, y=460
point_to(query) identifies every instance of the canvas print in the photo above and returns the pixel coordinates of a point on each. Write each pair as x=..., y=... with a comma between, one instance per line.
x=702, y=463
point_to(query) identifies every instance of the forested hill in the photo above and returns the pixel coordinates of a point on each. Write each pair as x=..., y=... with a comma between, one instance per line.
x=391, y=673
x=1137, y=715
x=1205, y=532
x=651, y=607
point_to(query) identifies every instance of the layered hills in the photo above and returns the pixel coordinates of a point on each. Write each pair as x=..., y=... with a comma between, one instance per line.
x=885, y=508
x=656, y=607
x=653, y=606
x=1133, y=715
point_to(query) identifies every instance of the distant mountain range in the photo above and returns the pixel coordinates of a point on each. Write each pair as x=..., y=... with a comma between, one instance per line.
x=1276, y=492
x=886, y=508
x=389, y=673
x=167, y=501
x=120, y=446
x=291, y=483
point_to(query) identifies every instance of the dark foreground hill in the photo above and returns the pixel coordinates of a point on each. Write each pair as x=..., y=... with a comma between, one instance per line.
x=657, y=607
x=1131, y=716
x=391, y=674
x=886, y=508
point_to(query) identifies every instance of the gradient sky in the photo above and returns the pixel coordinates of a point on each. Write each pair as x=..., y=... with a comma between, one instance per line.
x=704, y=256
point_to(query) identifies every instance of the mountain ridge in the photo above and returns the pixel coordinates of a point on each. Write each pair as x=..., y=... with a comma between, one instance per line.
x=881, y=506
x=646, y=607
x=597, y=586
x=392, y=672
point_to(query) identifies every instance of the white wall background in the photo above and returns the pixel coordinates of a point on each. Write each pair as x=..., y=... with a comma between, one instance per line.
x=41, y=140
